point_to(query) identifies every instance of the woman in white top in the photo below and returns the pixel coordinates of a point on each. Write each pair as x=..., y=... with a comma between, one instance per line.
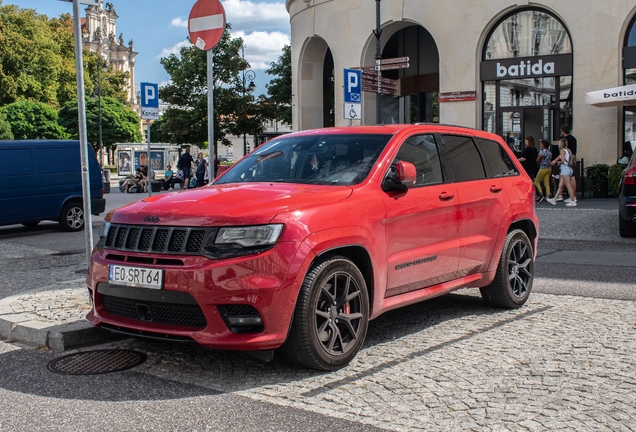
x=566, y=174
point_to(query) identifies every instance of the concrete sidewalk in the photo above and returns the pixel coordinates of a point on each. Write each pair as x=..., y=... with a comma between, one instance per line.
x=54, y=316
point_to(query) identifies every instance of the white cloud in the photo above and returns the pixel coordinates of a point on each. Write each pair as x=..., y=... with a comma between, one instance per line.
x=263, y=48
x=174, y=49
x=179, y=22
x=245, y=15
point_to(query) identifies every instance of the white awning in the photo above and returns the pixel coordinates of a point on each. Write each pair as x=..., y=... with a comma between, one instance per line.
x=617, y=96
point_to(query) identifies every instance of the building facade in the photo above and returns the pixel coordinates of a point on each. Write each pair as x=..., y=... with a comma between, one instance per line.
x=514, y=68
x=99, y=30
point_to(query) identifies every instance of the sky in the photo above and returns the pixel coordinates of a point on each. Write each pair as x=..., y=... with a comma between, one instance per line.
x=159, y=28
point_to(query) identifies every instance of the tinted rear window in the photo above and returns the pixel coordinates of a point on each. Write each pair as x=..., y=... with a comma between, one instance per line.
x=496, y=159
x=463, y=158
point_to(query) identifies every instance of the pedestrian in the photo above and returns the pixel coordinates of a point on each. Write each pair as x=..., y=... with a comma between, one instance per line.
x=186, y=165
x=529, y=156
x=545, y=170
x=566, y=173
x=202, y=166
x=566, y=133
x=168, y=180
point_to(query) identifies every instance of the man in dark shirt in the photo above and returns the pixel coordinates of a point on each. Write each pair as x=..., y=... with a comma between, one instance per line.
x=186, y=166
x=566, y=133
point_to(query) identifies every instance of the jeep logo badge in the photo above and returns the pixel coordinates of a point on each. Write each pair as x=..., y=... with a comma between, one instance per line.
x=151, y=219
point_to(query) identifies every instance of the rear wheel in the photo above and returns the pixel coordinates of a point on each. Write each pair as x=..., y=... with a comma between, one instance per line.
x=331, y=316
x=626, y=228
x=513, y=281
x=72, y=217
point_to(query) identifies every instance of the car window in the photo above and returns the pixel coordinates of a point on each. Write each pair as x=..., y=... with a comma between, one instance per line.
x=421, y=151
x=496, y=159
x=463, y=158
x=330, y=159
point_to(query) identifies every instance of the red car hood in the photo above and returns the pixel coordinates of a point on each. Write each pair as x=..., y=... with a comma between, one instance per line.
x=230, y=204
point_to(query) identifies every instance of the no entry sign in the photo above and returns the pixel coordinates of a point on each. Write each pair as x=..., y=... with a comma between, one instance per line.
x=206, y=23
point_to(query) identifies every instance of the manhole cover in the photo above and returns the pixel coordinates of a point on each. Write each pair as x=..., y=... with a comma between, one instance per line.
x=96, y=362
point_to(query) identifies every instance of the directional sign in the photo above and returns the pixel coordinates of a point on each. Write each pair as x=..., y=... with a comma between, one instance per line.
x=352, y=111
x=384, y=67
x=383, y=90
x=394, y=60
x=149, y=101
x=386, y=82
x=352, y=83
x=206, y=23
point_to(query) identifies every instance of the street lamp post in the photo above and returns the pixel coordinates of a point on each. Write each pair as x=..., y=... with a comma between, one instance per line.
x=247, y=75
x=99, y=107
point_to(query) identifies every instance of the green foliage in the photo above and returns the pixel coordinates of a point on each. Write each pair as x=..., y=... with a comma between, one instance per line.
x=119, y=122
x=614, y=178
x=113, y=83
x=280, y=88
x=235, y=109
x=598, y=175
x=5, y=128
x=33, y=120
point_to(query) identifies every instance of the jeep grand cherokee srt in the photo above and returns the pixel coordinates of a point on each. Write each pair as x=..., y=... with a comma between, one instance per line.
x=312, y=235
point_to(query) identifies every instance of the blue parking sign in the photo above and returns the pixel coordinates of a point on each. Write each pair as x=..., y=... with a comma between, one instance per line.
x=352, y=86
x=149, y=101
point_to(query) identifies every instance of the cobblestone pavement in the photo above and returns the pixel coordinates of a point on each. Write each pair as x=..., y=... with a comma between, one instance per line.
x=558, y=363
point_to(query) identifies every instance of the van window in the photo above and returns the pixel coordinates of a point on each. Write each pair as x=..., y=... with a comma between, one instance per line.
x=496, y=159
x=58, y=160
x=18, y=162
x=464, y=159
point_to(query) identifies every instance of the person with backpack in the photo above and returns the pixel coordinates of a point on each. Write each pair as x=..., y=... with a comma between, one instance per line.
x=565, y=160
x=185, y=164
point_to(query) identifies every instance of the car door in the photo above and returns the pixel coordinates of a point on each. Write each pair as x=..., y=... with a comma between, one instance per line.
x=482, y=203
x=421, y=228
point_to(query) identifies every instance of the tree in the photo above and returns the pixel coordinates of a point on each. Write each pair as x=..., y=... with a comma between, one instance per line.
x=33, y=120
x=235, y=109
x=119, y=122
x=279, y=89
x=5, y=128
x=113, y=83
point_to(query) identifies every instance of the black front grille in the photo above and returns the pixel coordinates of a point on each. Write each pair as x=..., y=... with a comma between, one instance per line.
x=163, y=240
x=186, y=315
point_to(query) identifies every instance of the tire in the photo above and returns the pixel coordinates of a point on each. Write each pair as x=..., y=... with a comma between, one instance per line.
x=513, y=280
x=330, y=319
x=626, y=228
x=30, y=224
x=72, y=217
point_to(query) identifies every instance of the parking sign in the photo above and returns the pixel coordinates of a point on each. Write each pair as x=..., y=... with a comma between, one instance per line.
x=149, y=101
x=352, y=86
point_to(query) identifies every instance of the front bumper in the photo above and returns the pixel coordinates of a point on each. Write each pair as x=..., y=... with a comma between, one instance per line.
x=202, y=290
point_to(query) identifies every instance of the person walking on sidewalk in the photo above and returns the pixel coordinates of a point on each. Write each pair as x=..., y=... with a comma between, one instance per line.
x=528, y=158
x=566, y=173
x=186, y=165
x=572, y=146
x=544, y=159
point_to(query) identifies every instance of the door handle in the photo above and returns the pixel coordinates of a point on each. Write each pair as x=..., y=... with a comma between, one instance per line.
x=444, y=196
x=495, y=189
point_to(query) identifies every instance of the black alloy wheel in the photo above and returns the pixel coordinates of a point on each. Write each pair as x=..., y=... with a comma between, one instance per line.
x=331, y=317
x=515, y=273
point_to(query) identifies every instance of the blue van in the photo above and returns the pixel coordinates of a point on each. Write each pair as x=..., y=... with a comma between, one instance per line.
x=41, y=180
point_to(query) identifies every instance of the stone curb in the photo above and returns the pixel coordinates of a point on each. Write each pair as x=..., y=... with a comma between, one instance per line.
x=22, y=328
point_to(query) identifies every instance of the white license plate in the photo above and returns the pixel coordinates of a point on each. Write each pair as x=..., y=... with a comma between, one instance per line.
x=135, y=276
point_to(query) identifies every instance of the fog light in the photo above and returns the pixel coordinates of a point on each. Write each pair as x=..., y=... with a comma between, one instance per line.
x=245, y=320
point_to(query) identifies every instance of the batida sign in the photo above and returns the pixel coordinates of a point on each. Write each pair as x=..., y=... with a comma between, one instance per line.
x=526, y=67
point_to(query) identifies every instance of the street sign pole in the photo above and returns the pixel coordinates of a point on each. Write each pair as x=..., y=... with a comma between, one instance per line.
x=149, y=111
x=378, y=56
x=150, y=173
x=83, y=136
x=210, y=73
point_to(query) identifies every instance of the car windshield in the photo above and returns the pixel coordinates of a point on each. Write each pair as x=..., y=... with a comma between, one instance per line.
x=343, y=159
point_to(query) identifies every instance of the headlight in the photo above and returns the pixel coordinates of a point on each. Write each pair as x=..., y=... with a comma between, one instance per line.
x=103, y=229
x=231, y=242
x=249, y=236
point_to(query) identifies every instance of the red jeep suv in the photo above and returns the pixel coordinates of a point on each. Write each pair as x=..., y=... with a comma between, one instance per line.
x=315, y=233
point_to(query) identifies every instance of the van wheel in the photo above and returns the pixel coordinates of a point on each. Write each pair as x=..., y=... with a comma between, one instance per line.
x=626, y=228
x=331, y=317
x=72, y=217
x=513, y=281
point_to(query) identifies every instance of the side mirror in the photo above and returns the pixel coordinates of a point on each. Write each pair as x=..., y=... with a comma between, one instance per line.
x=622, y=161
x=400, y=176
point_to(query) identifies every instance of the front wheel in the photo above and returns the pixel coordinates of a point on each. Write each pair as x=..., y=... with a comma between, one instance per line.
x=72, y=217
x=331, y=316
x=513, y=281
